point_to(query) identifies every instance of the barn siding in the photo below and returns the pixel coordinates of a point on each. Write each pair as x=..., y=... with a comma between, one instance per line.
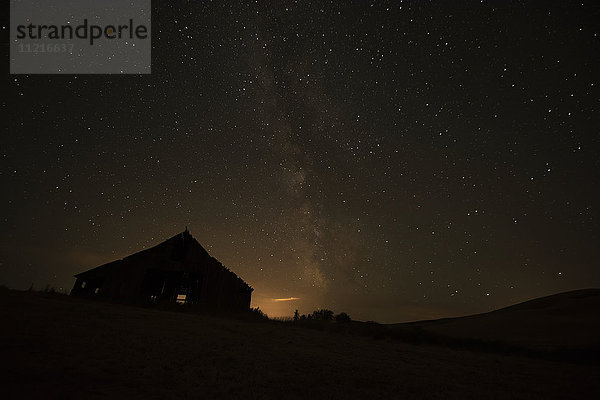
x=181, y=262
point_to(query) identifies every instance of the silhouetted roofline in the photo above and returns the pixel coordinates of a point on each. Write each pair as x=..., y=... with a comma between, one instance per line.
x=185, y=235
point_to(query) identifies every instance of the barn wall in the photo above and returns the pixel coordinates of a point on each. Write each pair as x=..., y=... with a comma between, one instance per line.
x=179, y=264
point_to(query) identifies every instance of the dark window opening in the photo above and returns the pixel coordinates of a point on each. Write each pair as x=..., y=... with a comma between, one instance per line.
x=172, y=286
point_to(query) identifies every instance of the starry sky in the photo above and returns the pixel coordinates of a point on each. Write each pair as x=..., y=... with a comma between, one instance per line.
x=394, y=160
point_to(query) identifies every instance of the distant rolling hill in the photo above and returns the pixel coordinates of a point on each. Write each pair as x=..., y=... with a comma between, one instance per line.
x=565, y=321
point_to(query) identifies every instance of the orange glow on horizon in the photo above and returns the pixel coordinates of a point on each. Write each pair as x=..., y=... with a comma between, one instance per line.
x=287, y=299
x=276, y=307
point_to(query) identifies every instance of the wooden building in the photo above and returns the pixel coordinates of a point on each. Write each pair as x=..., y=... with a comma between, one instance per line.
x=177, y=270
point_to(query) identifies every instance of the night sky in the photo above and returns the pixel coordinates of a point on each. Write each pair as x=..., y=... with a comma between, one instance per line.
x=393, y=160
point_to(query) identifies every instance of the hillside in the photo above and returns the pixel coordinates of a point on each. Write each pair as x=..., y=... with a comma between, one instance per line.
x=567, y=321
x=61, y=347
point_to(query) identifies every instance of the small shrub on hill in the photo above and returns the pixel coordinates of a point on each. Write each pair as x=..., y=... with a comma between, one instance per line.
x=342, y=317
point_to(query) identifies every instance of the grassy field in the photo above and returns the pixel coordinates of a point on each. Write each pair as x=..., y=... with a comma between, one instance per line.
x=56, y=347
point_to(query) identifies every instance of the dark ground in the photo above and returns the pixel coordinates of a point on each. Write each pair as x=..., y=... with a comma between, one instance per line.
x=58, y=347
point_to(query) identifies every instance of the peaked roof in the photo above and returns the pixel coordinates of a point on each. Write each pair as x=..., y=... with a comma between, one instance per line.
x=172, y=248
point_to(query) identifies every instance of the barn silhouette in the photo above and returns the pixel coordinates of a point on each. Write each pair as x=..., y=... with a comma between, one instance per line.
x=178, y=270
